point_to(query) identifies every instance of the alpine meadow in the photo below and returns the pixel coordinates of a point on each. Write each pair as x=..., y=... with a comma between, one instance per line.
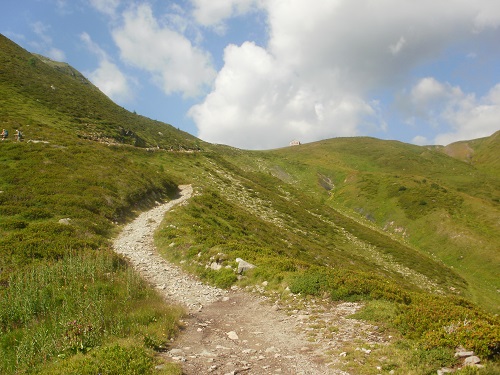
x=409, y=232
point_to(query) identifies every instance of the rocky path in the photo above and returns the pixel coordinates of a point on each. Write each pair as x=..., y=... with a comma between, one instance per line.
x=242, y=331
x=136, y=243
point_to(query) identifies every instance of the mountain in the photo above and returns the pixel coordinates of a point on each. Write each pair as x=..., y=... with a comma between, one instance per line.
x=41, y=93
x=411, y=232
x=442, y=206
x=482, y=153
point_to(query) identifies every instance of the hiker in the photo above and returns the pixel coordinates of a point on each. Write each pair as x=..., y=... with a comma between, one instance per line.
x=19, y=135
x=5, y=134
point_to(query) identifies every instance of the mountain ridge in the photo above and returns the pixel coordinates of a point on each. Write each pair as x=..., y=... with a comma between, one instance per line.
x=405, y=228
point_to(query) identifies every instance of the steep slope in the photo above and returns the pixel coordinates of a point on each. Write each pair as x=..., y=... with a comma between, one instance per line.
x=63, y=190
x=50, y=100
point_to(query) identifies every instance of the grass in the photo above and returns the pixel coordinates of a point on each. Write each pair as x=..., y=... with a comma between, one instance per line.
x=117, y=359
x=42, y=185
x=441, y=206
x=56, y=309
x=319, y=254
x=407, y=230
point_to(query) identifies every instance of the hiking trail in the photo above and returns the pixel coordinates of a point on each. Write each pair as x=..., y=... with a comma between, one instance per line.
x=238, y=331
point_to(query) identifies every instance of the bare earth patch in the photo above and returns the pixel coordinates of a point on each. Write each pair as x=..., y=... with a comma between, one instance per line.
x=244, y=331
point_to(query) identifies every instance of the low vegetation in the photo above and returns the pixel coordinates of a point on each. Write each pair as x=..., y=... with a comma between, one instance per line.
x=394, y=226
x=314, y=255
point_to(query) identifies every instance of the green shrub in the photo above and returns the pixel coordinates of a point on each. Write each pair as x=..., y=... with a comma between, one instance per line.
x=36, y=213
x=309, y=283
x=12, y=224
x=223, y=278
x=449, y=322
x=428, y=360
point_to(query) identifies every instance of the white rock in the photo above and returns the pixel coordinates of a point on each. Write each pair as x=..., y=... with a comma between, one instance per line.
x=472, y=360
x=463, y=354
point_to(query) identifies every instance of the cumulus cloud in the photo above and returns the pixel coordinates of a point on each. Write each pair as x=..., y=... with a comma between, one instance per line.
x=213, y=13
x=429, y=97
x=455, y=115
x=322, y=62
x=176, y=65
x=108, y=76
x=471, y=117
x=420, y=140
x=258, y=102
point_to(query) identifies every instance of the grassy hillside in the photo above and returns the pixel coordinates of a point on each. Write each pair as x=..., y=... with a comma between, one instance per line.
x=359, y=219
x=443, y=207
x=273, y=210
x=51, y=101
x=481, y=153
x=82, y=169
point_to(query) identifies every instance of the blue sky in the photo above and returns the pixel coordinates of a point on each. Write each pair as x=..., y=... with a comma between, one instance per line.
x=256, y=74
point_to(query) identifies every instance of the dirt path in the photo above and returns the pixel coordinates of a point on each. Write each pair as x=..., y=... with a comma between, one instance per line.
x=243, y=332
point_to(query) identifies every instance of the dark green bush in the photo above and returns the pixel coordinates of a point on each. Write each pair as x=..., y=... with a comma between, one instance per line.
x=12, y=224
x=308, y=284
x=36, y=213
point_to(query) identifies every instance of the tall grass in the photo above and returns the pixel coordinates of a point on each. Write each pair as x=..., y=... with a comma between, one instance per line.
x=60, y=308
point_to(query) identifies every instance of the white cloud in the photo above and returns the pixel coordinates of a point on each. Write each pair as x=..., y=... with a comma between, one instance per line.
x=454, y=114
x=42, y=30
x=472, y=118
x=92, y=46
x=111, y=81
x=213, y=13
x=177, y=66
x=108, y=76
x=259, y=103
x=314, y=77
x=488, y=15
x=45, y=47
x=396, y=48
x=107, y=7
x=56, y=54
x=420, y=140
x=429, y=96
x=370, y=43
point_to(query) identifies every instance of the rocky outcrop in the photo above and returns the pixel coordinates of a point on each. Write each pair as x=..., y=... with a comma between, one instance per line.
x=467, y=357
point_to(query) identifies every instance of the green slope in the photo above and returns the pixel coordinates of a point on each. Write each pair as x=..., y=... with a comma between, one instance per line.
x=349, y=219
x=441, y=206
x=51, y=101
x=481, y=153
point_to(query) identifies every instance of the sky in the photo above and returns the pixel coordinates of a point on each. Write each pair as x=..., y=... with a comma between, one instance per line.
x=257, y=74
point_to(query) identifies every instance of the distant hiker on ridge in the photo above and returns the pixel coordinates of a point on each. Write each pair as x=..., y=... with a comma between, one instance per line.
x=19, y=135
x=5, y=134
